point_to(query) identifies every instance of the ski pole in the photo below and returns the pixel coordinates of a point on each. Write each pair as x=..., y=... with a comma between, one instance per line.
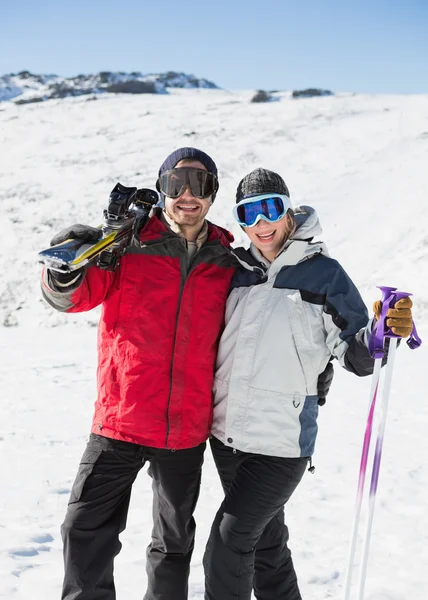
x=362, y=476
x=376, y=466
x=377, y=352
x=389, y=299
x=376, y=348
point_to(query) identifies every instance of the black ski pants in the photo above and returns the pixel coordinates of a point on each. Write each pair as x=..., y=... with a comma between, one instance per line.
x=247, y=547
x=97, y=513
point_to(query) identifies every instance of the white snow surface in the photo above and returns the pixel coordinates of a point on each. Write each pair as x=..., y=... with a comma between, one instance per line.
x=361, y=161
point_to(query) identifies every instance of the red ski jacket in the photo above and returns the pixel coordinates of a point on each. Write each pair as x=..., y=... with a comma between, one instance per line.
x=158, y=333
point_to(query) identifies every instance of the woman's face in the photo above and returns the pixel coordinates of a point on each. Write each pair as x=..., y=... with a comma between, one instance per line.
x=269, y=238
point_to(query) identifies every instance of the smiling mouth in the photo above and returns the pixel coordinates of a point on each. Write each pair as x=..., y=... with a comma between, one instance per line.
x=266, y=237
x=188, y=207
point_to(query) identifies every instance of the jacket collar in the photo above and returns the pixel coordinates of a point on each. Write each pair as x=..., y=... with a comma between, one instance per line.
x=172, y=225
x=295, y=251
x=156, y=228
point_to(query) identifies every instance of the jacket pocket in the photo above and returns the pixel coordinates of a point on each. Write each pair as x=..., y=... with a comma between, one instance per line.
x=270, y=423
x=307, y=333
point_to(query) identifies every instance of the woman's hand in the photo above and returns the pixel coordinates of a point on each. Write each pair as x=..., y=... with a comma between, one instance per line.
x=399, y=318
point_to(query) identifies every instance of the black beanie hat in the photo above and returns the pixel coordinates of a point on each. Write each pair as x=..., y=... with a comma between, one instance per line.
x=261, y=181
x=188, y=154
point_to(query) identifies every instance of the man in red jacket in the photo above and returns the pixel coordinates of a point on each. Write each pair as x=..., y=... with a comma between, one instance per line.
x=162, y=315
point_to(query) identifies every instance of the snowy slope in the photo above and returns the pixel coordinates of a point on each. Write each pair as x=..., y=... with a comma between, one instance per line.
x=361, y=162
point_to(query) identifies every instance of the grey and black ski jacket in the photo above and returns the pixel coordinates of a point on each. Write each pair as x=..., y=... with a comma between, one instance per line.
x=284, y=321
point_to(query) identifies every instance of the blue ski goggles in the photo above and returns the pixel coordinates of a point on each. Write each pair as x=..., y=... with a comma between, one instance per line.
x=269, y=207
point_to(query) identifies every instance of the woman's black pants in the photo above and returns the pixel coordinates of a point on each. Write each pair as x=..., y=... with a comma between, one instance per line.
x=247, y=547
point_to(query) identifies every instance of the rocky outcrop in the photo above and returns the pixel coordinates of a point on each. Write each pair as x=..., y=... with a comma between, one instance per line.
x=25, y=87
x=261, y=96
x=311, y=93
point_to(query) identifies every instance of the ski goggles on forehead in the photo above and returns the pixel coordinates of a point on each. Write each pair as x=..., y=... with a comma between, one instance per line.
x=269, y=207
x=202, y=184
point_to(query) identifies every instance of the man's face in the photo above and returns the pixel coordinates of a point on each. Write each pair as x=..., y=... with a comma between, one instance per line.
x=187, y=210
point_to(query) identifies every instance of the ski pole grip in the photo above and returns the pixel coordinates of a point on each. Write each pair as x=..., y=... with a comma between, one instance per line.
x=390, y=297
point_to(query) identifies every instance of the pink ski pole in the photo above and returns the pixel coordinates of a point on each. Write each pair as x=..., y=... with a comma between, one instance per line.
x=376, y=348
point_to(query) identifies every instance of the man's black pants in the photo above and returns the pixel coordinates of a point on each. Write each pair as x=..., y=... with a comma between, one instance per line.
x=247, y=547
x=97, y=513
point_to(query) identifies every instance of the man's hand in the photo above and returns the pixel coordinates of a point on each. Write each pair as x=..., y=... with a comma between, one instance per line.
x=324, y=383
x=86, y=233
x=399, y=318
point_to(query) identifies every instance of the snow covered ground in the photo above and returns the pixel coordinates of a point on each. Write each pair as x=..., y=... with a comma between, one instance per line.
x=361, y=162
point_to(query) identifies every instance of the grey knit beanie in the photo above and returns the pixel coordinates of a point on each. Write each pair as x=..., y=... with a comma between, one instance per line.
x=261, y=181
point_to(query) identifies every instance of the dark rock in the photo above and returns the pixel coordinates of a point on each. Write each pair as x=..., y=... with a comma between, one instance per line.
x=27, y=75
x=29, y=101
x=62, y=90
x=175, y=79
x=132, y=87
x=104, y=76
x=261, y=96
x=311, y=93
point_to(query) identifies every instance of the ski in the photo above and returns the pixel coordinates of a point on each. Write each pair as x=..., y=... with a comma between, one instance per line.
x=127, y=209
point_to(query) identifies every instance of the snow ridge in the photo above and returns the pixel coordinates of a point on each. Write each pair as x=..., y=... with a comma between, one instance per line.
x=25, y=87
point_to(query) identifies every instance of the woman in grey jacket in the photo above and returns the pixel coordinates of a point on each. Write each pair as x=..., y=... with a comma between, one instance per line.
x=291, y=308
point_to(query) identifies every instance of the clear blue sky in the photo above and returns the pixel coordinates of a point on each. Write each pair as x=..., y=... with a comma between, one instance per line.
x=348, y=45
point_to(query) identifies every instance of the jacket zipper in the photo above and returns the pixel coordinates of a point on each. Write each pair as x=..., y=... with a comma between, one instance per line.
x=177, y=316
x=183, y=281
